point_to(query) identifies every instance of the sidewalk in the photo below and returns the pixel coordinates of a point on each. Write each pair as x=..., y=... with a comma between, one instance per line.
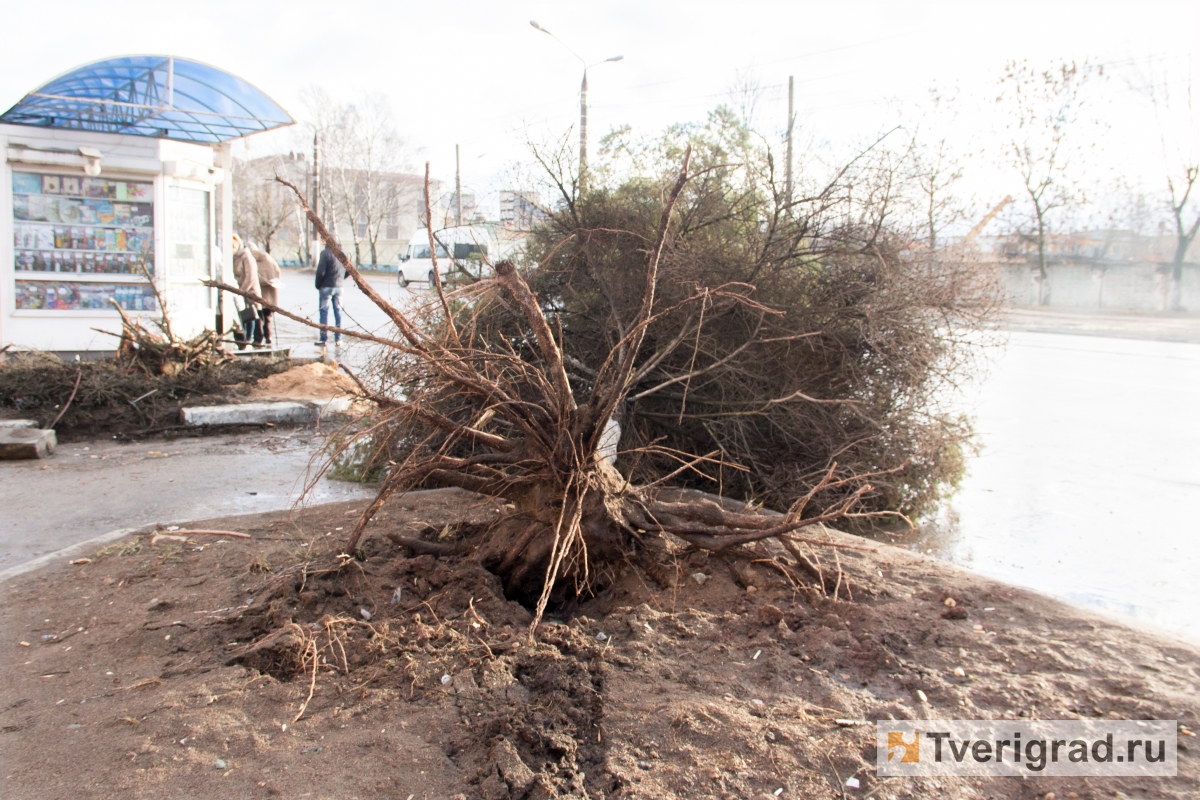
x=89, y=488
x=1114, y=324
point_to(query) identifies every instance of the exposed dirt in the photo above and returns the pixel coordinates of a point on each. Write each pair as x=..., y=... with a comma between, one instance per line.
x=168, y=668
x=304, y=382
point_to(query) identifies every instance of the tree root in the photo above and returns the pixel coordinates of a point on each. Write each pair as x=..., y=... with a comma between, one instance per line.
x=429, y=548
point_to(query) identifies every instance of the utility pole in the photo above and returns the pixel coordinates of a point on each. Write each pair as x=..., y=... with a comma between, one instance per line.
x=583, y=132
x=791, y=125
x=316, y=185
x=306, y=250
x=457, y=187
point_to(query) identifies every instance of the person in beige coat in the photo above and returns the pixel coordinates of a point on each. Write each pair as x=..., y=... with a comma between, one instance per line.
x=245, y=271
x=271, y=280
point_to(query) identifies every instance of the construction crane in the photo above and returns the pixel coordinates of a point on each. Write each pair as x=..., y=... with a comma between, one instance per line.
x=991, y=215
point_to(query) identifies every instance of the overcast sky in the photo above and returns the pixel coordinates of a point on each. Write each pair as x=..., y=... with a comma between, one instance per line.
x=476, y=73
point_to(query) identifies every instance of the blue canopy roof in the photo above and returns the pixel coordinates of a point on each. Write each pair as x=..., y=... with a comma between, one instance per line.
x=159, y=96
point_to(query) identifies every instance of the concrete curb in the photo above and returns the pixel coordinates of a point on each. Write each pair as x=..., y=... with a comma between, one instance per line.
x=67, y=552
x=260, y=413
x=24, y=443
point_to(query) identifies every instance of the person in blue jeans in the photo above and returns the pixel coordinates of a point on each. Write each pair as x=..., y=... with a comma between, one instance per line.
x=330, y=277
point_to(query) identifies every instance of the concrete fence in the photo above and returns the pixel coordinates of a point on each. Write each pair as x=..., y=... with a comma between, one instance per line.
x=1112, y=286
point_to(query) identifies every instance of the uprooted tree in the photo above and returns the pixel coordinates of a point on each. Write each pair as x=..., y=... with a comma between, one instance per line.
x=856, y=328
x=673, y=332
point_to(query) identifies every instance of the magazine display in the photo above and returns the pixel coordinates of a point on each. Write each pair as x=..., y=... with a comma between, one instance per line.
x=79, y=296
x=81, y=226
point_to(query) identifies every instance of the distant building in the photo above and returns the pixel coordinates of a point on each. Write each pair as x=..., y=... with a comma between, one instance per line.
x=521, y=210
x=404, y=220
x=400, y=195
x=472, y=214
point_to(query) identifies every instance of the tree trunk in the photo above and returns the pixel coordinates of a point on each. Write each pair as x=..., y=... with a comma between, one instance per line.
x=1042, y=298
x=1184, y=242
x=931, y=219
x=1175, y=287
x=521, y=548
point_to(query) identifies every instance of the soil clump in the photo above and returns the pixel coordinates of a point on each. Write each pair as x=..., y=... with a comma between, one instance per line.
x=305, y=382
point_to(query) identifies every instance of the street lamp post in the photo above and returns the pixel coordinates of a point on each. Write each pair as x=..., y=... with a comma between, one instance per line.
x=582, y=127
x=583, y=104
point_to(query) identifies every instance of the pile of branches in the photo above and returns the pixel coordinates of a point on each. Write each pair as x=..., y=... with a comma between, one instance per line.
x=90, y=398
x=495, y=410
x=164, y=352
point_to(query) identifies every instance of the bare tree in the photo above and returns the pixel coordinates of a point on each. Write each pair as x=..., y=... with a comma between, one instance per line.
x=263, y=211
x=936, y=169
x=1175, y=114
x=745, y=92
x=361, y=156
x=1041, y=107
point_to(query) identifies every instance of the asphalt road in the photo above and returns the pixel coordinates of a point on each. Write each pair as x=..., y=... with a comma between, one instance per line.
x=299, y=296
x=1087, y=482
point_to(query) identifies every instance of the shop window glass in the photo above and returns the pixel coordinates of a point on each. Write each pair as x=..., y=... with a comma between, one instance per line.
x=73, y=235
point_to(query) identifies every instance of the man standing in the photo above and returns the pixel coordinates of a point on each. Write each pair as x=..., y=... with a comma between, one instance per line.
x=245, y=271
x=330, y=277
x=270, y=279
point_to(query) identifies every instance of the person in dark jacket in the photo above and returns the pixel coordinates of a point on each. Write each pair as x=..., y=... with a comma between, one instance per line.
x=330, y=277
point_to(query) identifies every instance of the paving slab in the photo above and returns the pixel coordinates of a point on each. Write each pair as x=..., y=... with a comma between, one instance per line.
x=22, y=443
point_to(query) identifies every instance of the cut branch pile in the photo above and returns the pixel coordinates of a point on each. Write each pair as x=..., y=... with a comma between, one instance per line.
x=165, y=353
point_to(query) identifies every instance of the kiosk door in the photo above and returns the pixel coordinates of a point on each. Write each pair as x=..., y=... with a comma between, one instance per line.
x=189, y=256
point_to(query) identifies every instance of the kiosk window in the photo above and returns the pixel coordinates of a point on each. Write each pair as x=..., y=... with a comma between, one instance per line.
x=79, y=241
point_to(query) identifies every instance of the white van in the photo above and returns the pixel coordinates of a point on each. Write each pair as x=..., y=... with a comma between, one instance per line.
x=466, y=249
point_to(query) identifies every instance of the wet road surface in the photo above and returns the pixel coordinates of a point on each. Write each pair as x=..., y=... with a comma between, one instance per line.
x=1088, y=484
x=87, y=489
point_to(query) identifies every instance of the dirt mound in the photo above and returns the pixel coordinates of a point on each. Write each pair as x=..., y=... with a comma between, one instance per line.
x=277, y=666
x=305, y=382
x=111, y=399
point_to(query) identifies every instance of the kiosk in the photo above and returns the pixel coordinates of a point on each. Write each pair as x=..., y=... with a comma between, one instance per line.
x=113, y=176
